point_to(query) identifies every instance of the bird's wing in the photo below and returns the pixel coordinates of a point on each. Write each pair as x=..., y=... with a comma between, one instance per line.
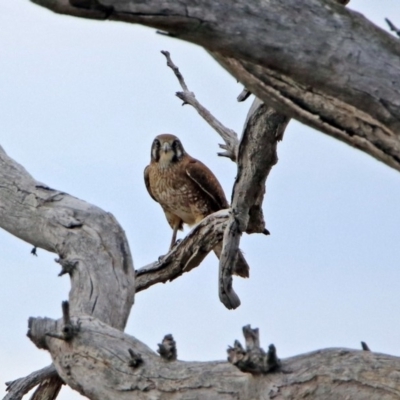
x=206, y=181
x=147, y=182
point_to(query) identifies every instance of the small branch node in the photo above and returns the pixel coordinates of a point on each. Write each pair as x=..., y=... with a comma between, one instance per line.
x=167, y=349
x=244, y=95
x=69, y=330
x=393, y=27
x=67, y=266
x=365, y=347
x=135, y=360
x=254, y=359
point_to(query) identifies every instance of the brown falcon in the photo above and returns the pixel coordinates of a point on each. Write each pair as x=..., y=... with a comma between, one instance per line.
x=186, y=189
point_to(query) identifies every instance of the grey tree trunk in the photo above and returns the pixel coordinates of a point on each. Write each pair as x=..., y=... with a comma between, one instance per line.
x=336, y=72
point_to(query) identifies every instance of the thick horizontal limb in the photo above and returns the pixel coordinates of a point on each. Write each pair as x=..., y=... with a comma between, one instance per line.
x=336, y=72
x=97, y=363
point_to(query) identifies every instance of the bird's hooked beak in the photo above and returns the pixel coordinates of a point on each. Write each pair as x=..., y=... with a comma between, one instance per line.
x=166, y=147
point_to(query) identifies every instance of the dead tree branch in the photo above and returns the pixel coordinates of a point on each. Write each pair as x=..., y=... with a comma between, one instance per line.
x=81, y=234
x=257, y=155
x=188, y=254
x=44, y=377
x=255, y=158
x=85, y=364
x=336, y=72
x=229, y=136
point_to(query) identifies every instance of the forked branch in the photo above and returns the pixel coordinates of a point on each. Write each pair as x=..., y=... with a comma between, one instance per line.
x=45, y=377
x=229, y=136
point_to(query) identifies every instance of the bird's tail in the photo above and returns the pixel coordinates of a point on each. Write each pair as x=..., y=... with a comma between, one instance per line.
x=241, y=268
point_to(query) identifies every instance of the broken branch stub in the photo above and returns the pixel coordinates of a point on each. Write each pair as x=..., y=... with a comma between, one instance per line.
x=253, y=359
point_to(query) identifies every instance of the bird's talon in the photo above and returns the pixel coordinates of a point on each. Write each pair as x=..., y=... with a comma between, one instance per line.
x=176, y=243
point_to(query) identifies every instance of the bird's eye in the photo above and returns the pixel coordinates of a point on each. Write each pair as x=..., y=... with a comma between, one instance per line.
x=178, y=150
x=155, y=150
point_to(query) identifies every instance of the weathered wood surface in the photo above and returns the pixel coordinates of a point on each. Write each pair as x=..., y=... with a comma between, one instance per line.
x=313, y=60
x=91, y=246
x=186, y=255
x=97, y=364
x=257, y=154
x=48, y=380
x=254, y=155
x=90, y=243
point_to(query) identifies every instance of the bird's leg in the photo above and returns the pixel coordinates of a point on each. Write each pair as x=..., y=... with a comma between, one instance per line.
x=173, y=240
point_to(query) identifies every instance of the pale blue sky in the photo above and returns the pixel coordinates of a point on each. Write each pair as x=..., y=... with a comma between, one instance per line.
x=81, y=101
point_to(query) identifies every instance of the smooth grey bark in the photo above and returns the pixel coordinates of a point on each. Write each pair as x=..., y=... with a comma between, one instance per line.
x=313, y=60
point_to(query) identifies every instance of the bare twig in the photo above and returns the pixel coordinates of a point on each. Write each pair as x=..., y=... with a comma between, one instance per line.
x=229, y=136
x=188, y=254
x=393, y=27
x=18, y=388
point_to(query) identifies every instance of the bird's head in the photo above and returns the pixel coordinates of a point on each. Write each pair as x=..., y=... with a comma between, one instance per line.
x=167, y=149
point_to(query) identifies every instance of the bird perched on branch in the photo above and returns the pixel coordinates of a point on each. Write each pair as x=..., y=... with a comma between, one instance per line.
x=186, y=189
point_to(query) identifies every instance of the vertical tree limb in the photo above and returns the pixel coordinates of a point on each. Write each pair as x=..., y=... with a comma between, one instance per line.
x=257, y=154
